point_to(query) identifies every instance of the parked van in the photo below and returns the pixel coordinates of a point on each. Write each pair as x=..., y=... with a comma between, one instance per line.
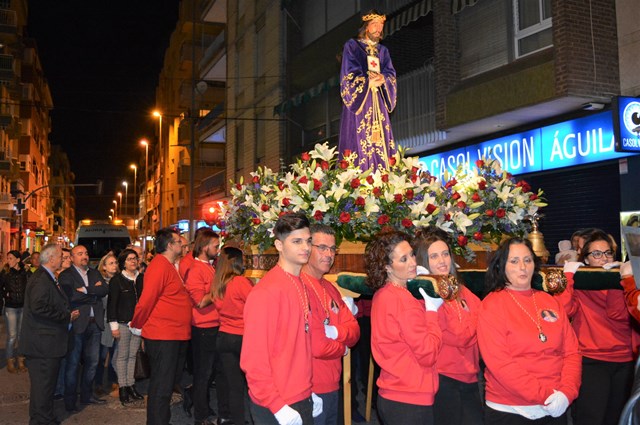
x=102, y=237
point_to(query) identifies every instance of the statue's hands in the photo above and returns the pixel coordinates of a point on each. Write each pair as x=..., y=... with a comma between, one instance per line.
x=375, y=79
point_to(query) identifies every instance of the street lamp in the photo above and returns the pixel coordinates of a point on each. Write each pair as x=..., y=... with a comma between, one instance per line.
x=126, y=197
x=116, y=208
x=120, y=203
x=158, y=114
x=136, y=203
x=145, y=143
x=113, y=213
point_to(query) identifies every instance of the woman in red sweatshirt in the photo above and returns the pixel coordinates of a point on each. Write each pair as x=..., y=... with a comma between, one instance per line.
x=405, y=339
x=229, y=292
x=531, y=352
x=458, y=399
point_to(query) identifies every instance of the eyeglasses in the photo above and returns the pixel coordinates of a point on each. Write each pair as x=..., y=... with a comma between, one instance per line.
x=598, y=254
x=325, y=248
x=132, y=259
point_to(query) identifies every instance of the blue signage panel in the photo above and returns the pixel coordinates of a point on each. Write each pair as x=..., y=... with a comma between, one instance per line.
x=580, y=141
x=627, y=122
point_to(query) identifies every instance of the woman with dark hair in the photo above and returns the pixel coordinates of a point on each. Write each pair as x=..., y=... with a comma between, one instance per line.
x=405, y=340
x=603, y=326
x=13, y=280
x=532, y=366
x=458, y=397
x=124, y=292
x=229, y=292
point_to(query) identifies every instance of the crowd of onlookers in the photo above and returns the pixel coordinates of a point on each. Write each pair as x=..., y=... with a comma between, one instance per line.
x=278, y=346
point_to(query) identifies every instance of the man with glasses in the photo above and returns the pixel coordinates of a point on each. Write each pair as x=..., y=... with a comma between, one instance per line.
x=333, y=327
x=163, y=313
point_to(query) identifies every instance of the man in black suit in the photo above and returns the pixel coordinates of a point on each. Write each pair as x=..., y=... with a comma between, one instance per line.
x=87, y=288
x=43, y=341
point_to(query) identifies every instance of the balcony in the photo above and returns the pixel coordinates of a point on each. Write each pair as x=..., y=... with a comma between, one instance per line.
x=7, y=72
x=8, y=21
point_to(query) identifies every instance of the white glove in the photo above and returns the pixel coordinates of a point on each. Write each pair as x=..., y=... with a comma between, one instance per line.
x=556, y=404
x=431, y=304
x=135, y=331
x=420, y=270
x=331, y=331
x=625, y=269
x=317, y=405
x=351, y=304
x=612, y=265
x=288, y=416
x=572, y=266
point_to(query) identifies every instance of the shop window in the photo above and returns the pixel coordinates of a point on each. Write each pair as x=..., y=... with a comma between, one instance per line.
x=532, y=26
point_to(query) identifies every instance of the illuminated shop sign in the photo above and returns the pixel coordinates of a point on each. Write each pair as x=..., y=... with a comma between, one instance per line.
x=580, y=141
x=626, y=120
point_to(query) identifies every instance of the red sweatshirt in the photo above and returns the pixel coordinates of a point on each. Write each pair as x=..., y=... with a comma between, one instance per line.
x=199, y=280
x=631, y=296
x=164, y=309
x=601, y=322
x=459, y=356
x=522, y=370
x=276, y=350
x=232, y=306
x=405, y=342
x=325, y=300
x=185, y=264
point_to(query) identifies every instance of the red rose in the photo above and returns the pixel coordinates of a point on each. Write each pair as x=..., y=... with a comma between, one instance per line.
x=344, y=164
x=500, y=213
x=406, y=223
x=409, y=194
x=533, y=197
x=482, y=185
x=476, y=197
x=303, y=180
x=413, y=178
x=377, y=191
x=447, y=217
x=256, y=179
x=431, y=208
x=324, y=165
x=509, y=175
x=238, y=186
x=345, y=217
x=256, y=221
x=489, y=213
x=462, y=240
x=477, y=236
x=305, y=156
x=286, y=202
x=455, y=196
x=414, y=170
x=317, y=184
x=369, y=179
x=281, y=213
x=281, y=185
x=462, y=205
x=355, y=183
x=264, y=207
x=479, y=163
x=451, y=183
x=383, y=219
x=360, y=201
x=318, y=215
x=392, y=161
x=526, y=188
x=347, y=152
x=397, y=198
x=385, y=178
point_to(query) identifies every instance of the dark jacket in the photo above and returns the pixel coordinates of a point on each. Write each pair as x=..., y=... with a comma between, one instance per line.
x=14, y=284
x=45, y=318
x=71, y=280
x=123, y=297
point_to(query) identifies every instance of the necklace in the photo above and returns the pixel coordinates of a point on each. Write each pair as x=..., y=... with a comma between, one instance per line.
x=303, y=296
x=541, y=336
x=323, y=299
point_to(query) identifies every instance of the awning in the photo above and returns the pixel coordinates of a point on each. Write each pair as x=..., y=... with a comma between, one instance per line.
x=458, y=5
x=306, y=95
x=409, y=15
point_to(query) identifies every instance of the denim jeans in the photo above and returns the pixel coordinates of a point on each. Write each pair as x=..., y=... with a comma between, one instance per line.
x=87, y=346
x=13, y=319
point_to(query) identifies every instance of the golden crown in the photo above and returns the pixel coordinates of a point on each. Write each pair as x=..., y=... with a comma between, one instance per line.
x=372, y=16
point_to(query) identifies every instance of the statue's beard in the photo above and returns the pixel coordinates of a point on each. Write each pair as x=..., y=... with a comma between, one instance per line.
x=373, y=37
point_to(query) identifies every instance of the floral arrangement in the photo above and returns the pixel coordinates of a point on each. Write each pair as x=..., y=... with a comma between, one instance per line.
x=480, y=204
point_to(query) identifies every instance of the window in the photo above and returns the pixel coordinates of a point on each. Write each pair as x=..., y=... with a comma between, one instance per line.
x=239, y=142
x=532, y=22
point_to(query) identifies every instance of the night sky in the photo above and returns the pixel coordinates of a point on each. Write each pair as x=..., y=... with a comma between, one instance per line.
x=102, y=60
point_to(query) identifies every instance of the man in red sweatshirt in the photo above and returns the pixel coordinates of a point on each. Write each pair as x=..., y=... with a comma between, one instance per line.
x=333, y=327
x=164, y=315
x=276, y=349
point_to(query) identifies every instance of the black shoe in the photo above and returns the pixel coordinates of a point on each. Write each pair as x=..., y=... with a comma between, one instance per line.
x=93, y=400
x=123, y=395
x=133, y=393
x=71, y=408
x=58, y=396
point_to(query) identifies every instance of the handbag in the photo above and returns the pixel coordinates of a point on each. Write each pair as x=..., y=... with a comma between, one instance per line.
x=142, y=368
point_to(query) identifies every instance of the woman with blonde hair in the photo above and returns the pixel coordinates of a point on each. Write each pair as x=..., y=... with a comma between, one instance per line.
x=229, y=292
x=108, y=267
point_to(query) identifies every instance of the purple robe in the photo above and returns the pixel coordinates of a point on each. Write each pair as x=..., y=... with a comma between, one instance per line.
x=365, y=127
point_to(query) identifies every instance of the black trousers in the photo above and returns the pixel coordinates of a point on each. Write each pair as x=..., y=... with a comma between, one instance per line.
x=229, y=346
x=43, y=375
x=164, y=358
x=263, y=416
x=397, y=413
x=457, y=403
x=606, y=387
x=494, y=417
x=205, y=361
